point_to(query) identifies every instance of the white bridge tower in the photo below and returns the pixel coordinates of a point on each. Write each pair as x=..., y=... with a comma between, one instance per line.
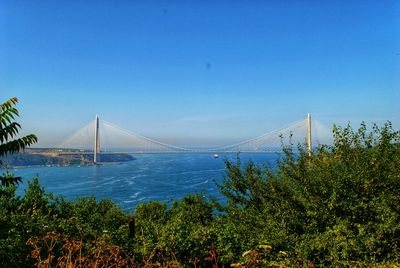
x=309, y=145
x=96, y=149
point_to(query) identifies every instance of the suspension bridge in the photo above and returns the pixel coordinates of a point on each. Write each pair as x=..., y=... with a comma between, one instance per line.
x=100, y=136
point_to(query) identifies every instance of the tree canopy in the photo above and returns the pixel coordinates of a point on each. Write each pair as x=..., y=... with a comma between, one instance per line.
x=9, y=141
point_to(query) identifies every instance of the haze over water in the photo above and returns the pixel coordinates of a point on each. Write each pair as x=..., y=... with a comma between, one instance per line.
x=160, y=177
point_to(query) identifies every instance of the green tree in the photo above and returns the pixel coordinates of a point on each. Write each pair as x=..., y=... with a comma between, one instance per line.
x=9, y=143
x=336, y=207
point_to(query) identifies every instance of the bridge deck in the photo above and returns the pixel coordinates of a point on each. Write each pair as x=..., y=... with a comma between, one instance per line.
x=166, y=152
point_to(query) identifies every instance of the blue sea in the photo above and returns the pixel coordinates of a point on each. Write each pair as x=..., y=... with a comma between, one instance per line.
x=161, y=177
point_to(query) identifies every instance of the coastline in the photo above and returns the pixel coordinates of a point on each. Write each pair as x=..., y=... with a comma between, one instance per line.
x=42, y=158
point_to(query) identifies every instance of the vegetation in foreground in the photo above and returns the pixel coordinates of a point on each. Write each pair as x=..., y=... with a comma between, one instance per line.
x=336, y=207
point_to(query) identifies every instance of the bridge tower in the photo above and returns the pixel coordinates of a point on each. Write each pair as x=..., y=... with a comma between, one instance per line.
x=309, y=134
x=96, y=148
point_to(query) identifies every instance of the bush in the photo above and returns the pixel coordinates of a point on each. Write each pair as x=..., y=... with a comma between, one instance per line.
x=338, y=205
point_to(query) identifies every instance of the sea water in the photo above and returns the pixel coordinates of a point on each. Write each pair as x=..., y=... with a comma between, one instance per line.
x=160, y=177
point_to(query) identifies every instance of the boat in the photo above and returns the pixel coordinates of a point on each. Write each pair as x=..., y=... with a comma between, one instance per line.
x=216, y=155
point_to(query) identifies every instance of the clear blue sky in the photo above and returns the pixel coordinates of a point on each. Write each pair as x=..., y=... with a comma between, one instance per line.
x=203, y=70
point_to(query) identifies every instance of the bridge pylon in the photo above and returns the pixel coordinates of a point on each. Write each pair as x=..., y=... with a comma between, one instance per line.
x=309, y=145
x=96, y=148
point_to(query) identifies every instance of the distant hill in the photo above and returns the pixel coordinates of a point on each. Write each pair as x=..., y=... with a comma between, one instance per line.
x=46, y=158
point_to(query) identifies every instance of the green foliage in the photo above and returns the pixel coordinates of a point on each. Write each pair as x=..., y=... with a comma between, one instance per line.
x=8, y=179
x=150, y=217
x=182, y=232
x=188, y=232
x=8, y=130
x=38, y=213
x=337, y=206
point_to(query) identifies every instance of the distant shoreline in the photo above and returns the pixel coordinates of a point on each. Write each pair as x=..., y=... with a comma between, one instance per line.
x=58, y=158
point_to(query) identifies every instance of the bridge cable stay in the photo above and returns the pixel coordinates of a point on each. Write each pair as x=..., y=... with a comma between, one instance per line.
x=321, y=133
x=83, y=136
x=151, y=141
x=260, y=140
x=254, y=142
